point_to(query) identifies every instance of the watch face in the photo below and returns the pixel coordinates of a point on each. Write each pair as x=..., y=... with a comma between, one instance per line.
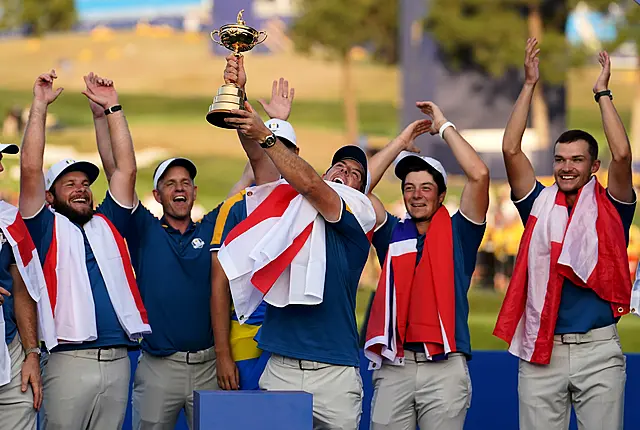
x=269, y=141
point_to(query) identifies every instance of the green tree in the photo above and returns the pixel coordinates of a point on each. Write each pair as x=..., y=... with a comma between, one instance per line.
x=336, y=27
x=38, y=16
x=492, y=35
x=630, y=32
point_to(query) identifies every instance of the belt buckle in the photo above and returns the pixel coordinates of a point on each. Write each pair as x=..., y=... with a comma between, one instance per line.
x=415, y=356
x=572, y=338
x=100, y=354
x=188, y=355
x=303, y=368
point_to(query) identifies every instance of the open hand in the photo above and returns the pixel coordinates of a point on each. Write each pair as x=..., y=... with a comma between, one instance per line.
x=96, y=109
x=602, y=83
x=234, y=72
x=281, y=100
x=411, y=132
x=249, y=123
x=437, y=117
x=43, y=88
x=100, y=91
x=531, y=62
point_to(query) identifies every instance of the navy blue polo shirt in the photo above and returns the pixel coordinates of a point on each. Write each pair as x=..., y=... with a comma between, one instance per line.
x=110, y=332
x=6, y=281
x=173, y=271
x=327, y=332
x=580, y=309
x=467, y=236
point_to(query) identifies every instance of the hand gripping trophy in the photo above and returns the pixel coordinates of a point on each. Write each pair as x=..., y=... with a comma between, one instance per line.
x=238, y=38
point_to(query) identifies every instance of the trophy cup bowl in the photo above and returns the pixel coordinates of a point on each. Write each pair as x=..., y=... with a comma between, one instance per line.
x=238, y=38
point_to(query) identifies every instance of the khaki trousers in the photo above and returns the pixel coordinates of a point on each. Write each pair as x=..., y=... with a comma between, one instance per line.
x=337, y=390
x=433, y=394
x=587, y=371
x=85, y=389
x=163, y=386
x=16, y=407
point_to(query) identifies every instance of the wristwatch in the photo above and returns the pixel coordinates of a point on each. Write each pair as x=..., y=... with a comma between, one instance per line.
x=32, y=350
x=603, y=93
x=269, y=141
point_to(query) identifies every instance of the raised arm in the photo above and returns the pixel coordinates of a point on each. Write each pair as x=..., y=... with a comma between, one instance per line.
x=246, y=179
x=620, y=182
x=380, y=162
x=27, y=322
x=281, y=100
x=378, y=207
x=263, y=168
x=300, y=175
x=32, y=192
x=474, y=201
x=278, y=107
x=520, y=173
x=123, y=180
x=101, y=128
x=227, y=371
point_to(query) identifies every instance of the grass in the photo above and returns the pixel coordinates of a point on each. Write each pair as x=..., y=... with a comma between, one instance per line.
x=180, y=65
x=71, y=110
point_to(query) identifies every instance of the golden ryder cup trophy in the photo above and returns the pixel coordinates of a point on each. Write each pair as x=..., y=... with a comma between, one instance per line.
x=238, y=38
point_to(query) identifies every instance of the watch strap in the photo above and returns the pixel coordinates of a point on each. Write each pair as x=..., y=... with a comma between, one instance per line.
x=32, y=350
x=112, y=109
x=603, y=93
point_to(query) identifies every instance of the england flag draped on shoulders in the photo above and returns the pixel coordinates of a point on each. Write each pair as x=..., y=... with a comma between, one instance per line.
x=28, y=264
x=587, y=247
x=278, y=253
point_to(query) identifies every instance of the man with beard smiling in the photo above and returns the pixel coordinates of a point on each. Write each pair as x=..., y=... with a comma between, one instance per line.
x=419, y=351
x=571, y=278
x=91, y=287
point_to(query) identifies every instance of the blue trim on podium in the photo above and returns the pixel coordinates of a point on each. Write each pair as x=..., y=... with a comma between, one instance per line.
x=494, y=402
x=273, y=410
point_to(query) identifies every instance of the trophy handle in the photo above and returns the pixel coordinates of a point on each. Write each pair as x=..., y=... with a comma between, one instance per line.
x=214, y=32
x=261, y=33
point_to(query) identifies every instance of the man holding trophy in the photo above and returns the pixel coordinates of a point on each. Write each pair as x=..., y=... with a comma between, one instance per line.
x=313, y=341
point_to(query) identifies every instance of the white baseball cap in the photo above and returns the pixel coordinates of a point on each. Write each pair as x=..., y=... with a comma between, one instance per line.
x=283, y=130
x=411, y=160
x=70, y=165
x=9, y=148
x=177, y=161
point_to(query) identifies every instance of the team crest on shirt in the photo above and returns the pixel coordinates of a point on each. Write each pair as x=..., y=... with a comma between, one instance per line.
x=197, y=243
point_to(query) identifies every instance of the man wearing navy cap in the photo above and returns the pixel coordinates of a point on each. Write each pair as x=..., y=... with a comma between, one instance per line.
x=419, y=351
x=21, y=396
x=86, y=377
